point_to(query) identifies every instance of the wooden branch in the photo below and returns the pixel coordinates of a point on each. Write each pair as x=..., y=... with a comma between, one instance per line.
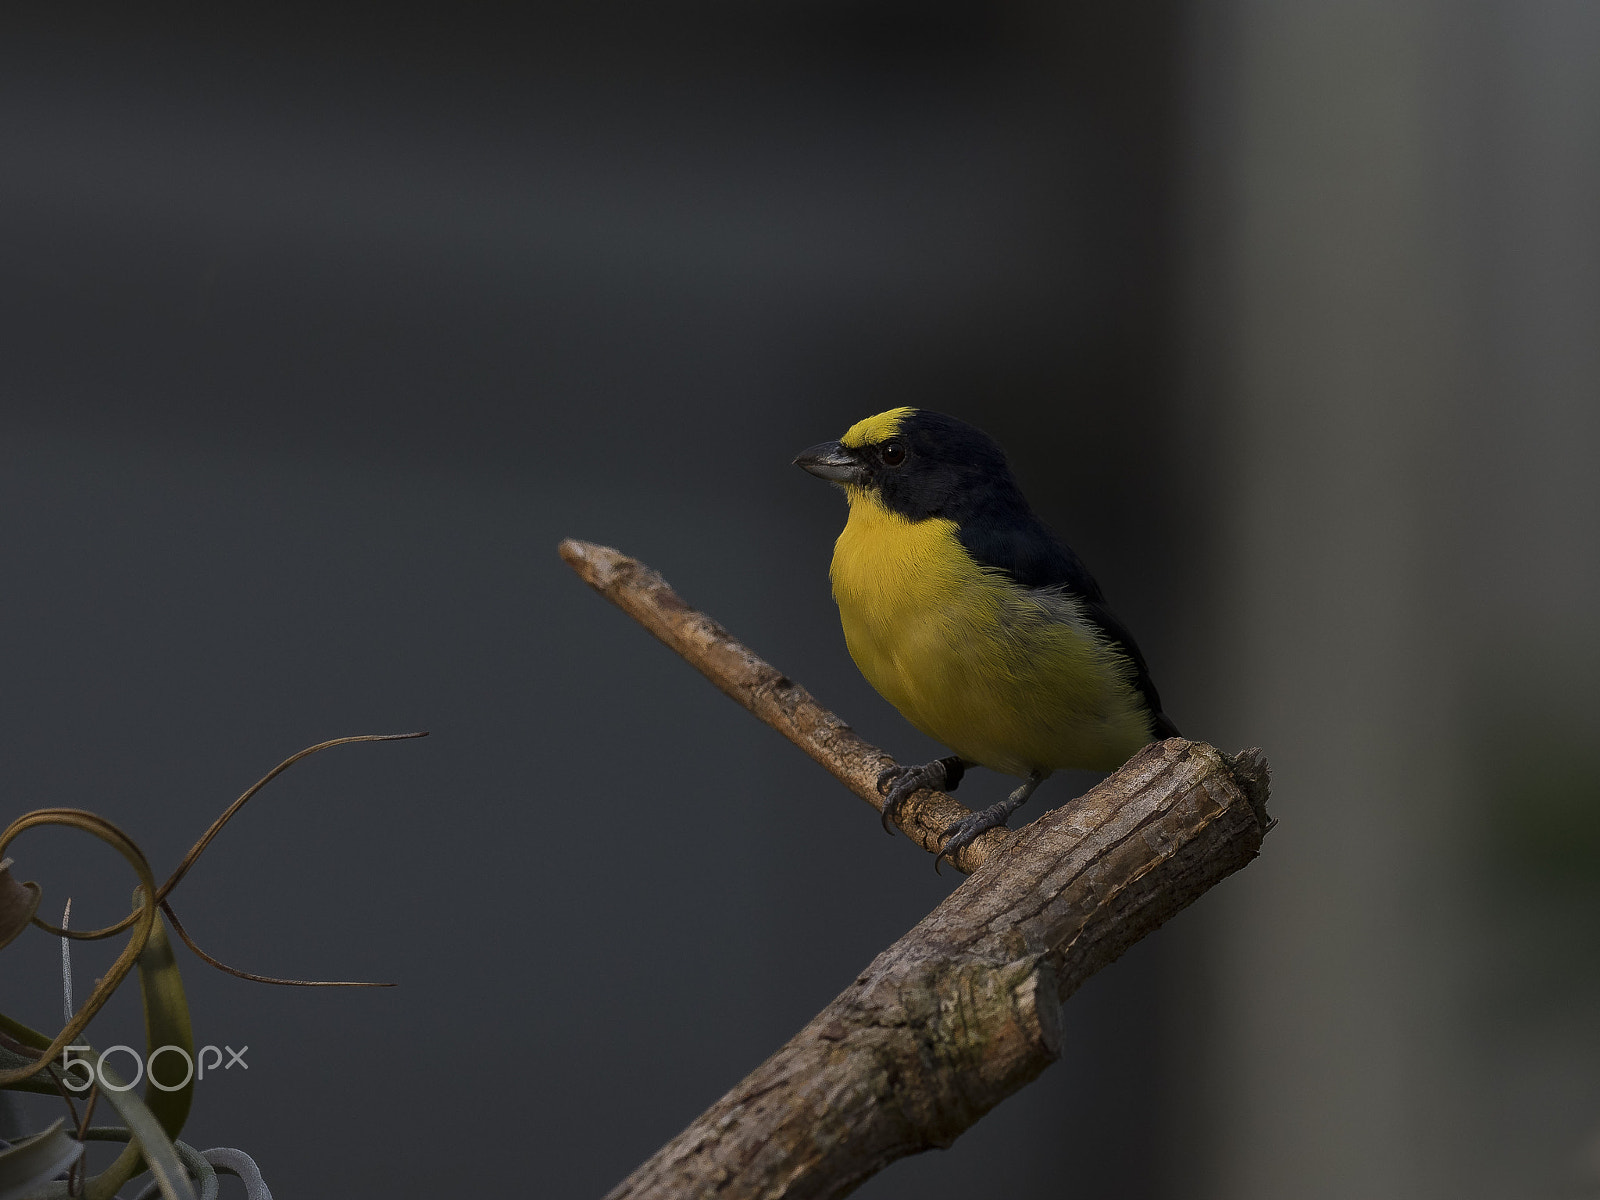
x=769, y=694
x=964, y=1009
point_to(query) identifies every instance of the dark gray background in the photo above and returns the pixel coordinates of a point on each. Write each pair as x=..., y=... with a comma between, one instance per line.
x=317, y=331
x=317, y=339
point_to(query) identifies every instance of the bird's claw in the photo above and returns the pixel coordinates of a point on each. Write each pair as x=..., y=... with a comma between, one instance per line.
x=960, y=834
x=897, y=784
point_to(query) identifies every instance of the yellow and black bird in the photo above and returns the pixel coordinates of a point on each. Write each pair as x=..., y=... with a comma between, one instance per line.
x=973, y=619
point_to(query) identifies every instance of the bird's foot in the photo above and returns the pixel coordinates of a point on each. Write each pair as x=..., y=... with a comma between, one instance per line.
x=960, y=834
x=897, y=784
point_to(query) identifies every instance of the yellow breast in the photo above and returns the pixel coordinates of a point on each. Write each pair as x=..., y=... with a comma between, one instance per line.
x=1013, y=679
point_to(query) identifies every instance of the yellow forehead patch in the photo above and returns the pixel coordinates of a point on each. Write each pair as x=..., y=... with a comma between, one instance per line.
x=875, y=429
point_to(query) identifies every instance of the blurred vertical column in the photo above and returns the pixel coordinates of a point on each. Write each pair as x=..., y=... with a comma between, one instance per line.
x=1534, y=707
x=1327, y=335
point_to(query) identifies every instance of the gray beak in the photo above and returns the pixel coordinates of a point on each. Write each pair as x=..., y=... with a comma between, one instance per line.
x=832, y=462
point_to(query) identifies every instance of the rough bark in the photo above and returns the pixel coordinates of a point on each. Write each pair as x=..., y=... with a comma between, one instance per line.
x=963, y=1010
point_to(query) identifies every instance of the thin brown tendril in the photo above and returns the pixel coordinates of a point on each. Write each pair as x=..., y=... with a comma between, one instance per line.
x=17, y=1046
x=55, y=1077
x=177, y=927
x=75, y=1177
x=216, y=827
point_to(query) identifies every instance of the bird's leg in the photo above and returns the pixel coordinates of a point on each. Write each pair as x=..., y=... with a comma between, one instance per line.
x=942, y=775
x=966, y=830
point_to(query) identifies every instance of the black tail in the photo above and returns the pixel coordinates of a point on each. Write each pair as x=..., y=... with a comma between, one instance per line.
x=1161, y=726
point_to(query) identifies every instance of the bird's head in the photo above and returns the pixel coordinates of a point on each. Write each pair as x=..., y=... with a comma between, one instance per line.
x=915, y=463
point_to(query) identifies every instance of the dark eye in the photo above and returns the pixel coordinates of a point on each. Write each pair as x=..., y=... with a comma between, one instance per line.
x=893, y=454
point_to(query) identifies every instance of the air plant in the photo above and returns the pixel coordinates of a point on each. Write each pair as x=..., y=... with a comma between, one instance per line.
x=50, y=1163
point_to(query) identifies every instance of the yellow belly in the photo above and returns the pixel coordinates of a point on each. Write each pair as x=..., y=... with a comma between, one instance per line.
x=1012, y=679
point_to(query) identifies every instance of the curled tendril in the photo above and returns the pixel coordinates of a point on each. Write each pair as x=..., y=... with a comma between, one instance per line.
x=142, y=919
x=177, y=928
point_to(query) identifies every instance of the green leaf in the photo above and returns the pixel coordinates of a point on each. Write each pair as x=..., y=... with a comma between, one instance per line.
x=228, y=1161
x=37, y=1160
x=41, y=1084
x=203, y=1172
x=200, y=1168
x=166, y=1023
x=149, y=1141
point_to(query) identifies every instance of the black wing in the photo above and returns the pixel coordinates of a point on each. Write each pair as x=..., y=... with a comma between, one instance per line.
x=1016, y=542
